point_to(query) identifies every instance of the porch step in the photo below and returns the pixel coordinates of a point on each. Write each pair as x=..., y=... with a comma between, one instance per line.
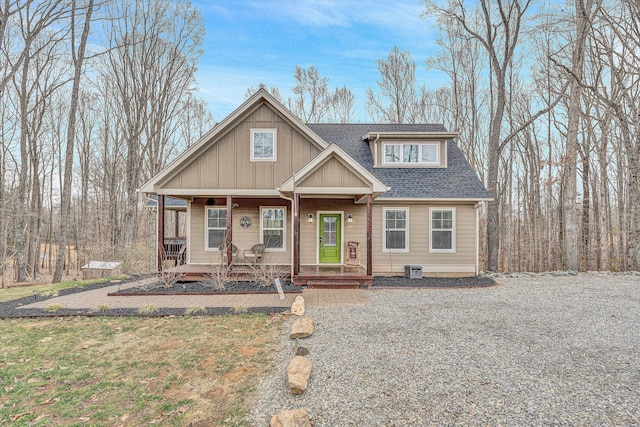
x=333, y=284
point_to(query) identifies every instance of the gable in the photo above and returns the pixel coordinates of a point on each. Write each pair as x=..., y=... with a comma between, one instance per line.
x=222, y=159
x=227, y=164
x=333, y=173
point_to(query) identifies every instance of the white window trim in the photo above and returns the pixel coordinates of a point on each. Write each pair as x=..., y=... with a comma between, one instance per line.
x=419, y=162
x=284, y=229
x=206, y=227
x=453, y=230
x=275, y=145
x=384, y=229
x=435, y=144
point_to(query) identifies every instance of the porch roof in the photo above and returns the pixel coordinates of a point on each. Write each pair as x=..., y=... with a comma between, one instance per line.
x=365, y=182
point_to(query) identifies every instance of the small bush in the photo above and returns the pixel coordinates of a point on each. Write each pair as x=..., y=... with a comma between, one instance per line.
x=148, y=309
x=101, y=308
x=52, y=308
x=194, y=310
x=239, y=310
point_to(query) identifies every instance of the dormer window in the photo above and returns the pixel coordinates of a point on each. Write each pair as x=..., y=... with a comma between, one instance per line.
x=263, y=145
x=427, y=154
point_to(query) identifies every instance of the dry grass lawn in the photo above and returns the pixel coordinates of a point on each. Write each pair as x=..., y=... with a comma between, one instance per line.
x=129, y=371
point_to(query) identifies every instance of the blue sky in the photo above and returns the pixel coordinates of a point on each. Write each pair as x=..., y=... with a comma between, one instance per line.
x=253, y=41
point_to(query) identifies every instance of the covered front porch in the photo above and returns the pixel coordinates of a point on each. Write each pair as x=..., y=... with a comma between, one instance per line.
x=318, y=223
x=325, y=241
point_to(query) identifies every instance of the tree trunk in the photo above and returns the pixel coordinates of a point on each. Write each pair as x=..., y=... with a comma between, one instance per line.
x=65, y=204
x=569, y=190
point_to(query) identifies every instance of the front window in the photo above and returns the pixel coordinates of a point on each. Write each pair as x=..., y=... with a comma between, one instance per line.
x=396, y=229
x=263, y=144
x=216, y=227
x=429, y=153
x=442, y=230
x=412, y=153
x=273, y=226
x=392, y=153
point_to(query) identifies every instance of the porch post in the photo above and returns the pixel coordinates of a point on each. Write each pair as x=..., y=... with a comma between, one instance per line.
x=296, y=234
x=177, y=225
x=160, y=223
x=229, y=240
x=369, y=234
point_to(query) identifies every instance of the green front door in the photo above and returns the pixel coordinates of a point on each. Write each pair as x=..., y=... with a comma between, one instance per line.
x=330, y=238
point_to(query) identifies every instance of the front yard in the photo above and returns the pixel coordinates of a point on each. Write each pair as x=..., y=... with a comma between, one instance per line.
x=132, y=371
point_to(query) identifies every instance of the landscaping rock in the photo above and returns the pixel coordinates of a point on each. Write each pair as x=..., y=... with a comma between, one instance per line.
x=301, y=327
x=298, y=373
x=291, y=418
x=297, y=308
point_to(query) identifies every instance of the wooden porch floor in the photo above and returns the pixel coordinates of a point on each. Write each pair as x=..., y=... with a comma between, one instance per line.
x=339, y=276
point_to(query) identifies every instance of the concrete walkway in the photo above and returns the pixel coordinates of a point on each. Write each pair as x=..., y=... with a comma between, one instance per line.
x=94, y=298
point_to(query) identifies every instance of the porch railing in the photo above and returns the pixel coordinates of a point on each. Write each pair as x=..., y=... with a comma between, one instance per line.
x=175, y=248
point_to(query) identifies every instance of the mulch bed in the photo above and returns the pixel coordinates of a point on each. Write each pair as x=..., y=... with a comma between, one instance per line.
x=9, y=309
x=398, y=282
x=206, y=288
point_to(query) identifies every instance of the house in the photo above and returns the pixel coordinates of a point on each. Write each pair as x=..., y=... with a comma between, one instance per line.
x=349, y=199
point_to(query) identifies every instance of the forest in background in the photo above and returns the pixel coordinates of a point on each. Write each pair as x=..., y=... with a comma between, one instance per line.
x=97, y=96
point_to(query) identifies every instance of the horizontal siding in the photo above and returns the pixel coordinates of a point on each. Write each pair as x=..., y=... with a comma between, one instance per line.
x=460, y=262
x=463, y=260
x=243, y=238
x=351, y=232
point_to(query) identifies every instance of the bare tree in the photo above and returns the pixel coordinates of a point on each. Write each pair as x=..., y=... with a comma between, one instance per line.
x=78, y=58
x=398, y=98
x=274, y=91
x=151, y=64
x=496, y=25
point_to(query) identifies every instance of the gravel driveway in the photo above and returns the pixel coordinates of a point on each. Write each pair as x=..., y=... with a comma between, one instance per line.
x=530, y=351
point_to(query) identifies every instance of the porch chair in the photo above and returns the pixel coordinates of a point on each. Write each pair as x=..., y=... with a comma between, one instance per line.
x=223, y=253
x=254, y=254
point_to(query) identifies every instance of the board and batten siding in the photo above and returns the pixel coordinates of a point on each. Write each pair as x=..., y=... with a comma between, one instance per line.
x=462, y=262
x=333, y=174
x=227, y=164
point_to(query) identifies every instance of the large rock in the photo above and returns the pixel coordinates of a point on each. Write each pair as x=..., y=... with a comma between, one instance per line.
x=297, y=308
x=298, y=373
x=302, y=327
x=291, y=418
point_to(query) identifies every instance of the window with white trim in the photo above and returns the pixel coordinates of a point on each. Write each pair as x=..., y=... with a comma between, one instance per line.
x=216, y=227
x=272, y=228
x=443, y=236
x=263, y=145
x=428, y=154
x=396, y=229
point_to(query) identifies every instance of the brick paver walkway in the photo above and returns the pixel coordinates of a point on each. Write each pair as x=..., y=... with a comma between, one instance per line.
x=94, y=298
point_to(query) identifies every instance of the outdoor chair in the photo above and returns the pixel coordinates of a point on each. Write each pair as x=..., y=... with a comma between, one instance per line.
x=223, y=253
x=254, y=255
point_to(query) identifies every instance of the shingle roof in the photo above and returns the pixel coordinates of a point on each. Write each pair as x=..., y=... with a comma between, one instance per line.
x=456, y=181
x=169, y=202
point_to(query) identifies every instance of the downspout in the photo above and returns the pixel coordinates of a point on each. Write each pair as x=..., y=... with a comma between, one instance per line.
x=375, y=151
